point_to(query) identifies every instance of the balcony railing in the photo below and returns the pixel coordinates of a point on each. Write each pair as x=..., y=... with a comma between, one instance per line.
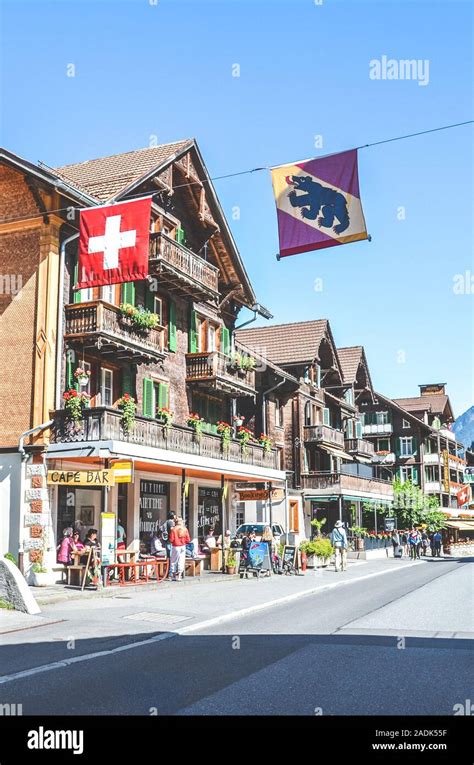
x=431, y=486
x=384, y=458
x=101, y=326
x=338, y=483
x=323, y=434
x=359, y=446
x=216, y=370
x=377, y=428
x=105, y=424
x=181, y=269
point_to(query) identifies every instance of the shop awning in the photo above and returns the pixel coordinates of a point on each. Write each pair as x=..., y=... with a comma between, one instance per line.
x=461, y=525
x=352, y=498
x=321, y=499
x=339, y=453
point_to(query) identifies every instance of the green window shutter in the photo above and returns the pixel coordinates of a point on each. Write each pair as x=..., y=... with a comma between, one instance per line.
x=71, y=366
x=147, y=404
x=225, y=341
x=128, y=382
x=397, y=447
x=172, y=335
x=180, y=237
x=326, y=419
x=414, y=443
x=149, y=298
x=359, y=429
x=76, y=293
x=414, y=475
x=163, y=395
x=192, y=333
x=128, y=293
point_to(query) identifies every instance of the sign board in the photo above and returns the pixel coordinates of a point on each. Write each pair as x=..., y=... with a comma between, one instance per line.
x=123, y=472
x=290, y=555
x=256, y=494
x=446, y=470
x=209, y=509
x=390, y=524
x=469, y=475
x=81, y=478
x=108, y=538
x=154, y=504
x=259, y=556
x=464, y=495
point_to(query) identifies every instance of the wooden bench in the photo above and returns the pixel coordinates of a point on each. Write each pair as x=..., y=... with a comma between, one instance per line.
x=139, y=572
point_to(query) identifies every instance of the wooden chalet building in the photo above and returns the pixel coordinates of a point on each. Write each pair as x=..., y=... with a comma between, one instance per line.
x=313, y=416
x=189, y=362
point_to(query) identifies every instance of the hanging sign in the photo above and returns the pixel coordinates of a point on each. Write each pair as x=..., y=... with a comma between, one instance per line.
x=81, y=478
x=123, y=472
x=108, y=538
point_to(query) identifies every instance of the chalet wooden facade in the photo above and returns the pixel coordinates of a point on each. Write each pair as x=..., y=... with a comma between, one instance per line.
x=187, y=362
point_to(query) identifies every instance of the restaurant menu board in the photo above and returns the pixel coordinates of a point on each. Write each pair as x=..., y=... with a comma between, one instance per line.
x=108, y=538
x=259, y=556
x=209, y=510
x=154, y=503
x=290, y=555
x=390, y=524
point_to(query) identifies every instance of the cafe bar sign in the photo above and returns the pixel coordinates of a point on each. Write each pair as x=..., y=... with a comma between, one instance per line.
x=81, y=478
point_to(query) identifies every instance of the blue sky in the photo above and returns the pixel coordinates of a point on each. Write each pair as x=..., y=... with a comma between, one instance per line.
x=165, y=70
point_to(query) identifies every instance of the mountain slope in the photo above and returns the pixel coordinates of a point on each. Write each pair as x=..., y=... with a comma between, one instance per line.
x=464, y=427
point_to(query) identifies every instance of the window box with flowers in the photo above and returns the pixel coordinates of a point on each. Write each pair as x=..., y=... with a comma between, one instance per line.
x=82, y=376
x=266, y=442
x=128, y=405
x=74, y=404
x=238, y=420
x=139, y=319
x=225, y=431
x=243, y=363
x=244, y=435
x=197, y=423
x=165, y=415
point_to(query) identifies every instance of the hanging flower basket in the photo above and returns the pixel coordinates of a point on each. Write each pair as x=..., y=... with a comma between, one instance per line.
x=266, y=442
x=128, y=405
x=82, y=376
x=165, y=415
x=197, y=423
x=244, y=435
x=225, y=431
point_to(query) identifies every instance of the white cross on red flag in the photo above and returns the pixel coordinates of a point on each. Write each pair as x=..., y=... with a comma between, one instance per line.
x=113, y=243
x=464, y=495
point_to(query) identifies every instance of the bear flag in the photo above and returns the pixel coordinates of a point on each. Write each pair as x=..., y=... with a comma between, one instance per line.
x=113, y=243
x=318, y=203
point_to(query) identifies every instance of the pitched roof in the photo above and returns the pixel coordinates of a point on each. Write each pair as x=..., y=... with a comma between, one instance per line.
x=435, y=403
x=105, y=177
x=286, y=343
x=349, y=359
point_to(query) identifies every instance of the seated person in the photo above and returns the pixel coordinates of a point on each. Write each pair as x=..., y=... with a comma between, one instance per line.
x=91, y=539
x=210, y=542
x=157, y=547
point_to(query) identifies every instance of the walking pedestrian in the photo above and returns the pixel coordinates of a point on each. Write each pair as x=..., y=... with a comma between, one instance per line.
x=437, y=539
x=432, y=544
x=339, y=542
x=179, y=538
x=404, y=541
x=413, y=544
x=425, y=542
x=166, y=529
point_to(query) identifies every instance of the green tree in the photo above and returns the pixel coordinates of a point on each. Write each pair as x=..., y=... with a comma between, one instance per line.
x=413, y=508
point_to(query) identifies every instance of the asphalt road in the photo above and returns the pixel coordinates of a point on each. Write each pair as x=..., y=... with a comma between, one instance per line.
x=394, y=644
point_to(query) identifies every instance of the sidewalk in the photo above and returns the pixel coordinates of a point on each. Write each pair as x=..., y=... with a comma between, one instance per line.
x=176, y=606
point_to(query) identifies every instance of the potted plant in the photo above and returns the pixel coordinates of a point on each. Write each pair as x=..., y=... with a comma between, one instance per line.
x=225, y=431
x=74, y=403
x=359, y=533
x=266, y=442
x=238, y=420
x=128, y=405
x=165, y=415
x=317, y=526
x=323, y=551
x=197, y=423
x=231, y=563
x=139, y=319
x=40, y=575
x=82, y=376
x=309, y=548
x=244, y=435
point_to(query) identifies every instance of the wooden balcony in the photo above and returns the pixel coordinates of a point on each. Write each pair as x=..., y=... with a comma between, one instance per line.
x=323, y=435
x=182, y=271
x=215, y=370
x=359, y=447
x=341, y=483
x=99, y=326
x=104, y=424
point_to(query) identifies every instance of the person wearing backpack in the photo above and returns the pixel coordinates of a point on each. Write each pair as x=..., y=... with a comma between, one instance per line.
x=166, y=528
x=179, y=538
x=339, y=542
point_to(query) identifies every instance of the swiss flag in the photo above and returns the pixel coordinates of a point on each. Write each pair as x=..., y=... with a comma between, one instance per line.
x=463, y=496
x=113, y=243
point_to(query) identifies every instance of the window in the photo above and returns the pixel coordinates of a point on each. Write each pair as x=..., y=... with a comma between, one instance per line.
x=106, y=387
x=326, y=416
x=278, y=413
x=86, y=366
x=382, y=418
x=405, y=424
x=158, y=309
x=199, y=328
x=107, y=293
x=383, y=444
x=406, y=446
x=308, y=413
x=240, y=514
x=349, y=396
x=211, y=337
x=161, y=396
x=408, y=474
x=431, y=473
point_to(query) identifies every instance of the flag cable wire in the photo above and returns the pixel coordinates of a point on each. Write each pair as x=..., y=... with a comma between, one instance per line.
x=233, y=175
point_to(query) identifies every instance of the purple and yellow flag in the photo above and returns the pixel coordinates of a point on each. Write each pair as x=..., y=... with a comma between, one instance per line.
x=318, y=203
